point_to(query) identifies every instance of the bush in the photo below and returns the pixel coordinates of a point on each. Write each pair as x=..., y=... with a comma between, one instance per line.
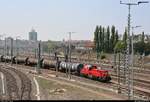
x=103, y=56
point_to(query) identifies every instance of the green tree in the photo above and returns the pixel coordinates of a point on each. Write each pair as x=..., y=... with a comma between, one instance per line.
x=100, y=38
x=107, y=41
x=116, y=37
x=45, y=47
x=51, y=45
x=143, y=37
x=120, y=45
x=147, y=48
x=103, y=39
x=139, y=47
x=125, y=38
x=112, y=40
x=96, y=38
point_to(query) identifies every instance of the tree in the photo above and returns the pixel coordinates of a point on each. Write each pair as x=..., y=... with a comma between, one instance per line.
x=51, y=45
x=112, y=40
x=143, y=37
x=120, y=45
x=100, y=38
x=103, y=39
x=139, y=47
x=96, y=38
x=147, y=49
x=44, y=46
x=116, y=37
x=125, y=38
x=107, y=41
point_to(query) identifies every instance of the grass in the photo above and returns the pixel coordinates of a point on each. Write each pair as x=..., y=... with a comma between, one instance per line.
x=71, y=92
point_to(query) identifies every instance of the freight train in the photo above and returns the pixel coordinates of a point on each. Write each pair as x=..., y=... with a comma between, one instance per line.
x=87, y=70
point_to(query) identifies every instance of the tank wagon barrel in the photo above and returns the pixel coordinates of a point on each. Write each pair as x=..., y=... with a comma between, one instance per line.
x=49, y=64
x=1, y=58
x=33, y=62
x=75, y=67
x=8, y=58
x=21, y=60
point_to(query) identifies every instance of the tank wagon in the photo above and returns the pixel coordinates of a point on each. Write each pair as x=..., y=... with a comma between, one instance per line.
x=22, y=60
x=8, y=59
x=49, y=64
x=87, y=70
x=34, y=62
x=1, y=58
x=74, y=67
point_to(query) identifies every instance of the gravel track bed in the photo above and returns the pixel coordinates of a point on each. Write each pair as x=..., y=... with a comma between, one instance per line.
x=140, y=89
x=26, y=85
x=12, y=88
x=111, y=85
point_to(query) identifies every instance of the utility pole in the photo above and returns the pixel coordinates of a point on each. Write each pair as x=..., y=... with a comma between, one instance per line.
x=34, y=53
x=115, y=60
x=70, y=54
x=17, y=49
x=11, y=50
x=0, y=43
x=5, y=49
x=118, y=68
x=39, y=58
x=132, y=59
x=66, y=51
x=57, y=66
x=57, y=61
x=127, y=62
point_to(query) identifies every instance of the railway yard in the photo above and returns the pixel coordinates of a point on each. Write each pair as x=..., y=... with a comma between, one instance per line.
x=75, y=50
x=20, y=81
x=79, y=88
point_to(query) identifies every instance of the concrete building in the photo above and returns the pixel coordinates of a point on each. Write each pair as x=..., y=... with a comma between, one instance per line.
x=33, y=35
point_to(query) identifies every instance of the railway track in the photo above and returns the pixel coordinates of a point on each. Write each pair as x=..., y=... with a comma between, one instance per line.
x=113, y=85
x=140, y=83
x=137, y=75
x=12, y=88
x=26, y=85
x=137, y=69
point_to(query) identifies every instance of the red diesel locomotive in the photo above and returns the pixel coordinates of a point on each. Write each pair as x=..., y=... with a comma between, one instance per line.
x=93, y=72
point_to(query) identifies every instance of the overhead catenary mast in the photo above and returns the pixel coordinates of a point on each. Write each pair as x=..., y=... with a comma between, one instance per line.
x=128, y=70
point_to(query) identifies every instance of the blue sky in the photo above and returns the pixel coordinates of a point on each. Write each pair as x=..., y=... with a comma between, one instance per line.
x=52, y=19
